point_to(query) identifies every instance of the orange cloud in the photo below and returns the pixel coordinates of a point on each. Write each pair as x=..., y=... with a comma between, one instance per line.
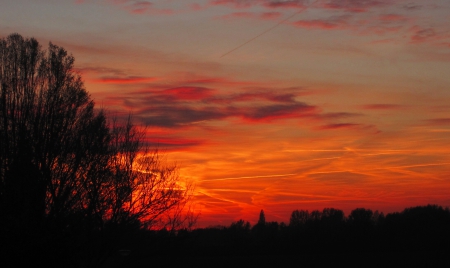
x=382, y=106
x=439, y=121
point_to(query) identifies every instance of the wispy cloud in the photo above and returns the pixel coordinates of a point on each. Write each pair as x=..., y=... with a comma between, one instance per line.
x=420, y=35
x=265, y=3
x=327, y=24
x=172, y=143
x=269, y=113
x=412, y=6
x=339, y=126
x=252, y=15
x=382, y=106
x=360, y=17
x=438, y=121
x=338, y=115
x=124, y=80
x=357, y=6
x=141, y=7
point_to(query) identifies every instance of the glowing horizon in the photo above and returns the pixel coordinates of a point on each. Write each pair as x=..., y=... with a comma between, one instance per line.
x=271, y=104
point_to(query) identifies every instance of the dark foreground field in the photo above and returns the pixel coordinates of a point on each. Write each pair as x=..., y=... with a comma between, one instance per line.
x=416, y=237
x=373, y=259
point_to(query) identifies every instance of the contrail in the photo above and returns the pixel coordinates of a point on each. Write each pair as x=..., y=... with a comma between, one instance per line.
x=266, y=31
x=252, y=177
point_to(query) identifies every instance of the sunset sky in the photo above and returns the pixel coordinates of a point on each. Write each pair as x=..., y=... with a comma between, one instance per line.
x=271, y=104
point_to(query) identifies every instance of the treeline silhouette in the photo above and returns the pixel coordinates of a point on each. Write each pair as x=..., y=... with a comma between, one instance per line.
x=416, y=237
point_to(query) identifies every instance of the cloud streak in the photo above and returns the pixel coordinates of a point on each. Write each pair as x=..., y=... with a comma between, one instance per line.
x=262, y=33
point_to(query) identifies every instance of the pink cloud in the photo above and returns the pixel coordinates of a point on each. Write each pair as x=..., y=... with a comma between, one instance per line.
x=141, y=7
x=412, y=6
x=384, y=41
x=317, y=24
x=356, y=6
x=265, y=3
x=196, y=7
x=239, y=15
x=420, y=35
x=286, y=3
x=436, y=36
x=235, y=3
x=392, y=18
x=270, y=15
x=253, y=15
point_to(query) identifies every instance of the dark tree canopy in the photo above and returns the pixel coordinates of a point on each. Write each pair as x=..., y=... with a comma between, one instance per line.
x=50, y=136
x=65, y=165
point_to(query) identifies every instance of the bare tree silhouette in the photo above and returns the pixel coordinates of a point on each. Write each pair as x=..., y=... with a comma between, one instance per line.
x=64, y=166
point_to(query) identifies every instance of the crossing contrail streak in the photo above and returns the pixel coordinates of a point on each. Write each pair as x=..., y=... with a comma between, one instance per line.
x=252, y=177
x=266, y=31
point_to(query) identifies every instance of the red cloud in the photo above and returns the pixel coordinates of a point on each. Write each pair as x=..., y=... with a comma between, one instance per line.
x=188, y=93
x=334, y=116
x=221, y=81
x=125, y=80
x=172, y=143
x=339, y=126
